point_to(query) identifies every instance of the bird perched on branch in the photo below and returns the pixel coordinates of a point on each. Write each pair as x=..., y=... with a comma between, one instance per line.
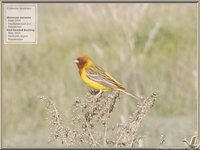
x=96, y=78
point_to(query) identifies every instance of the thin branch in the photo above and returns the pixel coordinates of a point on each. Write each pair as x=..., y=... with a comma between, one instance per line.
x=59, y=122
x=91, y=136
x=105, y=133
x=117, y=142
x=132, y=141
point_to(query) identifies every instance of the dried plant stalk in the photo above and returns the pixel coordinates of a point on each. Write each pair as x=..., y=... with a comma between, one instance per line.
x=89, y=125
x=95, y=113
x=58, y=130
x=128, y=132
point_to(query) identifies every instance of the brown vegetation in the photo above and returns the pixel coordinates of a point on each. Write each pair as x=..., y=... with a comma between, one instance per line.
x=90, y=124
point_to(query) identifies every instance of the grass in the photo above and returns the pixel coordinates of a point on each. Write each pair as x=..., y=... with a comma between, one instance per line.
x=116, y=40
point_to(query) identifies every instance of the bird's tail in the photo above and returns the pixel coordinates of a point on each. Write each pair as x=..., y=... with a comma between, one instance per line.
x=128, y=93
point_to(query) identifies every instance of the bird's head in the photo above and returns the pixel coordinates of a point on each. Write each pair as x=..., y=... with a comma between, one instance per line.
x=83, y=61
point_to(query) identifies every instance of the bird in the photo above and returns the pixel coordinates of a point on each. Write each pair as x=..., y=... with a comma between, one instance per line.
x=97, y=78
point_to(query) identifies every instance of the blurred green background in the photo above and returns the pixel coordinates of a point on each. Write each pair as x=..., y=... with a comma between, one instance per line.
x=148, y=47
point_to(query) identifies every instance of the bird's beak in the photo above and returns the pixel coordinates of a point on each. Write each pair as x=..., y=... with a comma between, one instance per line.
x=76, y=61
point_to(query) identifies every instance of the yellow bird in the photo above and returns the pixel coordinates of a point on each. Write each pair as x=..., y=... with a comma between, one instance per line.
x=96, y=78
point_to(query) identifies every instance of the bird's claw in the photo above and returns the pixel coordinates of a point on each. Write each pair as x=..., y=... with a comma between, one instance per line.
x=95, y=94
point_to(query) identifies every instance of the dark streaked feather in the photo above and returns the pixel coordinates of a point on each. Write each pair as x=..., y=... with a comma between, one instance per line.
x=98, y=75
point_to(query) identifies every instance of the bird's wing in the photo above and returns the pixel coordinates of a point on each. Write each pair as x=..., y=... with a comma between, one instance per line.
x=98, y=75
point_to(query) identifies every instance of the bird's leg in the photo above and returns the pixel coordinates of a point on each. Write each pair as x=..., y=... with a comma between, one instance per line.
x=92, y=92
x=98, y=95
x=95, y=94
